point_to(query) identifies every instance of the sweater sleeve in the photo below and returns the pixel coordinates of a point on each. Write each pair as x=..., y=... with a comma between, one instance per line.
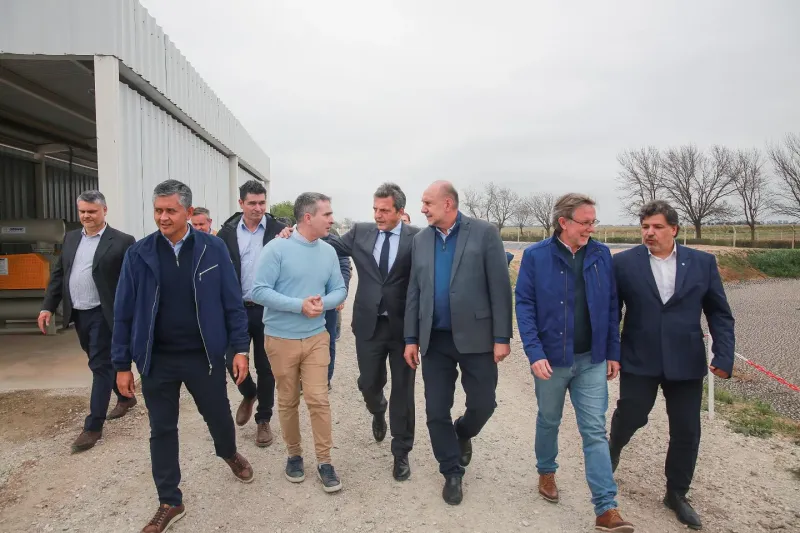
x=335, y=289
x=267, y=270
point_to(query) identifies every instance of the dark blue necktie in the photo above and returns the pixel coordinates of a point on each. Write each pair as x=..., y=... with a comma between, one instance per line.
x=383, y=264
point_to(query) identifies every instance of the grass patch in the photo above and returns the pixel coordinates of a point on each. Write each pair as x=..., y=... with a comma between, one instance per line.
x=777, y=263
x=754, y=418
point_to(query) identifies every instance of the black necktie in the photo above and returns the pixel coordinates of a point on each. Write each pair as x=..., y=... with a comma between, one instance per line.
x=383, y=264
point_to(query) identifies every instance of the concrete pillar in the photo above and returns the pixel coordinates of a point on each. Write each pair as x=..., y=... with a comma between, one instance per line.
x=39, y=187
x=109, y=140
x=233, y=182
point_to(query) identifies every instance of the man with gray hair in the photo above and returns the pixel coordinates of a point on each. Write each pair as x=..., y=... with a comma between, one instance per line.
x=297, y=280
x=568, y=320
x=84, y=280
x=178, y=309
x=201, y=220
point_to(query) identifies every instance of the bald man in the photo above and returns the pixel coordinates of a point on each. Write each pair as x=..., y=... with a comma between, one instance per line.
x=458, y=316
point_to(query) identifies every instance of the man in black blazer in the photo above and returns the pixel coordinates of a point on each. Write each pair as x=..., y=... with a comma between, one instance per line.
x=665, y=288
x=382, y=255
x=85, y=279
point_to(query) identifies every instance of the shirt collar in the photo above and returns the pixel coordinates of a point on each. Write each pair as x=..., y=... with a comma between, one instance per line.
x=98, y=234
x=299, y=236
x=396, y=229
x=673, y=253
x=262, y=224
x=455, y=224
x=183, y=239
x=558, y=238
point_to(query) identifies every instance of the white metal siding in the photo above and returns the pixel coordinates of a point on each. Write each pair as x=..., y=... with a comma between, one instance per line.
x=156, y=147
x=126, y=30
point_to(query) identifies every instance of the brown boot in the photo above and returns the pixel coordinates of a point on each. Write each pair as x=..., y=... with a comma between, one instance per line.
x=240, y=468
x=245, y=411
x=121, y=409
x=86, y=440
x=164, y=518
x=548, y=488
x=612, y=521
x=264, y=436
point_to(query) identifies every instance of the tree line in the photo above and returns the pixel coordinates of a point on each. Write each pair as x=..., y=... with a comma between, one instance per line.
x=715, y=185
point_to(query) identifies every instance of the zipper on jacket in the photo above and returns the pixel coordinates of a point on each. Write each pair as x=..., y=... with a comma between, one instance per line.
x=566, y=295
x=152, y=324
x=200, y=276
x=598, y=275
x=197, y=309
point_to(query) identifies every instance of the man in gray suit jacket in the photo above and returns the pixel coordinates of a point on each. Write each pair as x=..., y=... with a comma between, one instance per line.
x=458, y=315
x=382, y=255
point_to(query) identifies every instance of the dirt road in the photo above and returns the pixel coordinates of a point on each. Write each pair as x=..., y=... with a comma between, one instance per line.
x=742, y=484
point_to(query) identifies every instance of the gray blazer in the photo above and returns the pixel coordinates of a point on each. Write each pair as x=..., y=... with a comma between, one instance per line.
x=358, y=243
x=480, y=289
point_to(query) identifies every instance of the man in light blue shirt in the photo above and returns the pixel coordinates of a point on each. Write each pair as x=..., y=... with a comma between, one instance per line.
x=297, y=280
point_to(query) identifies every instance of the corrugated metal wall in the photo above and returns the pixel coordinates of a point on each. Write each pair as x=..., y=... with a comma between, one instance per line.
x=18, y=188
x=156, y=147
x=126, y=30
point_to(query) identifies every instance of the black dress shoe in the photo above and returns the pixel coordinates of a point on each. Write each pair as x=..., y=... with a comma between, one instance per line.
x=465, y=447
x=379, y=426
x=401, y=470
x=452, y=493
x=686, y=515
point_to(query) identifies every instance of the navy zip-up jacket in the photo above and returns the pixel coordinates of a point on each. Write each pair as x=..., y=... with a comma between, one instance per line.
x=545, y=303
x=219, y=308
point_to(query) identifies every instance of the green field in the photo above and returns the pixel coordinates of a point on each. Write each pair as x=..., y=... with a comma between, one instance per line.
x=767, y=236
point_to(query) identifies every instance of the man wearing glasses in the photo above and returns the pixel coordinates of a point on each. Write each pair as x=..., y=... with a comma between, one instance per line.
x=568, y=318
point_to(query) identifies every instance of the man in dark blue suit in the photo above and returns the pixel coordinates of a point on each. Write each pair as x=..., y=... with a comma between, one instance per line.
x=665, y=288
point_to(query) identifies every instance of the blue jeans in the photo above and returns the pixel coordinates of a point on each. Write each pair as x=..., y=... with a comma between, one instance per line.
x=330, y=325
x=588, y=391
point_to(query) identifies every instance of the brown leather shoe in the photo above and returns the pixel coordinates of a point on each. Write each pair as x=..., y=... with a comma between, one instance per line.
x=245, y=411
x=86, y=440
x=264, y=436
x=240, y=468
x=122, y=408
x=164, y=518
x=548, y=488
x=612, y=521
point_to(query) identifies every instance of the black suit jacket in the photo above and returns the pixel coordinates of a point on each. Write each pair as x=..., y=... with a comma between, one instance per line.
x=228, y=234
x=667, y=339
x=358, y=243
x=106, y=268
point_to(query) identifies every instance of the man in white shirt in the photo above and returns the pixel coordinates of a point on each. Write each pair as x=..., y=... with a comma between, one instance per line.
x=665, y=288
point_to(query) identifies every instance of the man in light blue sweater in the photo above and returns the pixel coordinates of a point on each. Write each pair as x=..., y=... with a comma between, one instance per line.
x=297, y=280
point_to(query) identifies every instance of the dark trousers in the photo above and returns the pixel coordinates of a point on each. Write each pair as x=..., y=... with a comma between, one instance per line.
x=161, y=390
x=372, y=354
x=440, y=367
x=95, y=338
x=265, y=390
x=637, y=394
x=331, y=318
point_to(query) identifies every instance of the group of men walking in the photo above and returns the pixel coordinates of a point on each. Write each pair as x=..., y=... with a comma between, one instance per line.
x=439, y=297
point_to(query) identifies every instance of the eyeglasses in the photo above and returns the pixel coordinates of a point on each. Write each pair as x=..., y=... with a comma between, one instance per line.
x=587, y=224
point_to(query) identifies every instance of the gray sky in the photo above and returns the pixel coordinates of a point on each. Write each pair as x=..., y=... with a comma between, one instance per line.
x=537, y=96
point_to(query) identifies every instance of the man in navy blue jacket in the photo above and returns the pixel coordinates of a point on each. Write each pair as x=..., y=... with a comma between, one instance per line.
x=178, y=307
x=665, y=288
x=568, y=320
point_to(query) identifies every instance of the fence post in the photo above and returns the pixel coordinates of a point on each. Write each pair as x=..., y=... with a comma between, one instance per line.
x=734, y=236
x=792, y=236
x=605, y=235
x=711, y=399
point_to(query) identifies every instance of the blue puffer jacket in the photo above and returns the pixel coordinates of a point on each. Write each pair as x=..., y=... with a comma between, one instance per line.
x=220, y=311
x=545, y=297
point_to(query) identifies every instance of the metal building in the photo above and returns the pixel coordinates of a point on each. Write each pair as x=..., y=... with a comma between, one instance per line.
x=94, y=94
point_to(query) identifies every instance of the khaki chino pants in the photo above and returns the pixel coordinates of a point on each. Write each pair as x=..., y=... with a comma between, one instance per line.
x=306, y=360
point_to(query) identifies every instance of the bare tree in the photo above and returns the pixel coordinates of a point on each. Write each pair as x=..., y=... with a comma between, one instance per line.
x=697, y=183
x=542, y=207
x=786, y=163
x=490, y=199
x=751, y=186
x=522, y=215
x=501, y=210
x=641, y=178
x=472, y=199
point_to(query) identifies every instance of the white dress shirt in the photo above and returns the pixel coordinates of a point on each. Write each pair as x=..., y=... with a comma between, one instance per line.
x=82, y=290
x=664, y=272
x=394, y=243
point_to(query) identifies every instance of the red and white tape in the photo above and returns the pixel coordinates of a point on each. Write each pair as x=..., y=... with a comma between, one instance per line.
x=768, y=373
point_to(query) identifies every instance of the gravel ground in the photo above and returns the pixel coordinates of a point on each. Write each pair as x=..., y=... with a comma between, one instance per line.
x=767, y=316
x=743, y=484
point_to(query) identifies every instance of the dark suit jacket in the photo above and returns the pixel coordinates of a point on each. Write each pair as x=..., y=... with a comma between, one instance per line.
x=358, y=243
x=667, y=339
x=480, y=289
x=106, y=269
